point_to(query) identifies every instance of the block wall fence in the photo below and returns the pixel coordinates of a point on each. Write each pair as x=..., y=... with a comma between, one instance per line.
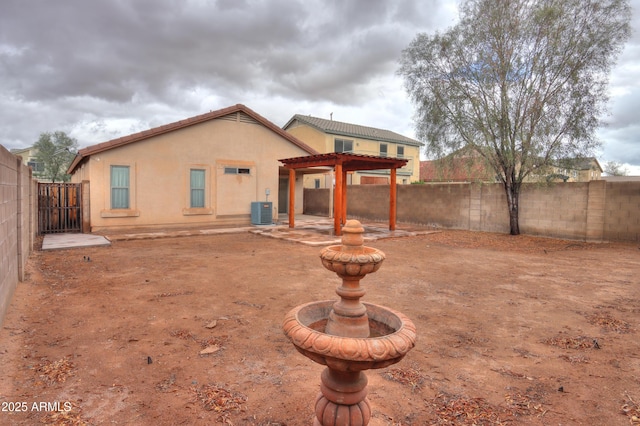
x=589, y=211
x=18, y=223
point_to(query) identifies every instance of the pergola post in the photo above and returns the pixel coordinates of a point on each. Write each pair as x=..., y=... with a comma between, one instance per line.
x=292, y=197
x=344, y=196
x=337, y=200
x=392, y=201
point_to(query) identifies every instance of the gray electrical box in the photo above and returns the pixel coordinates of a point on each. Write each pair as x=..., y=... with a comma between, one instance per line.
x=261, y=212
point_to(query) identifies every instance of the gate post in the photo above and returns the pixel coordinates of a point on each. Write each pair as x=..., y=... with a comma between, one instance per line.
x=86, y=207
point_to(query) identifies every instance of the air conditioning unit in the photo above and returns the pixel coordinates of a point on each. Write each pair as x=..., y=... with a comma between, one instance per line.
x=261, y=212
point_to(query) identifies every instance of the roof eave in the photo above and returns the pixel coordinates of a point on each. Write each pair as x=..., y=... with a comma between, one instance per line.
x=167, y=128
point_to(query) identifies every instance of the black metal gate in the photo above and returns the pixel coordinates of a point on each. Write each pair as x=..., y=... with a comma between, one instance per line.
x=59, y=207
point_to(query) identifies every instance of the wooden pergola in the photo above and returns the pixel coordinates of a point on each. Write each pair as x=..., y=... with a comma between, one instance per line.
x=342, y=163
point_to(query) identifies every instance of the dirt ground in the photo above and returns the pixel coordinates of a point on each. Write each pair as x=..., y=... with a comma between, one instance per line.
x=511, y=330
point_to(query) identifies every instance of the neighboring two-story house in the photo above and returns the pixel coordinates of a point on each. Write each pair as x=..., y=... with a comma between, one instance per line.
x=470, y=167
x=29, y=158
x=576, y=170
x=334, y=136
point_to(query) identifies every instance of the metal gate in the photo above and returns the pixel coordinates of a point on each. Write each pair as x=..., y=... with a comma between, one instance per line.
x=59, y=207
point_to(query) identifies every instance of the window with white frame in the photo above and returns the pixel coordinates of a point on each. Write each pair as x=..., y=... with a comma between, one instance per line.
x=383, y=150
x=237, y=171
x=342, y=145
x=197, y=185
x=400, y=152
x=120, y=187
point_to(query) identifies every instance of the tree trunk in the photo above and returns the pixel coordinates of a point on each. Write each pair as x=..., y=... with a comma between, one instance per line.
x=513, y=200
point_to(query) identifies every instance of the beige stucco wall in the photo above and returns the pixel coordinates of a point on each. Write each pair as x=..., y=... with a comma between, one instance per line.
x=324, y=143
x=159, y=175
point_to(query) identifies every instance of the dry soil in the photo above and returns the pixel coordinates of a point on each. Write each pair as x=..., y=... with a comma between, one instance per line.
x=511, y=330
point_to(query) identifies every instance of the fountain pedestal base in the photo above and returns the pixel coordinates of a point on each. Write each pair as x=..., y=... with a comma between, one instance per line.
x=343, y=399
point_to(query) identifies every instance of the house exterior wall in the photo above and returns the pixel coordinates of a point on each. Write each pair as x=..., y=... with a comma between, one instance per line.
x=325, y=143
x=591, y=211
x=159, y=169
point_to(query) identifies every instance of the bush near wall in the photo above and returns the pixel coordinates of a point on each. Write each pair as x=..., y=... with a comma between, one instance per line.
x=589, y=211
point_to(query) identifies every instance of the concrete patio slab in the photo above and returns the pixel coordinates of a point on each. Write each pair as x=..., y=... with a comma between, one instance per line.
x=309, y=230
x=65, y=241
x=319, y=232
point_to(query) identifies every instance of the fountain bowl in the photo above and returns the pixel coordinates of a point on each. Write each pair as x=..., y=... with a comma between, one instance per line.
x=349, y=263
x=392, y=335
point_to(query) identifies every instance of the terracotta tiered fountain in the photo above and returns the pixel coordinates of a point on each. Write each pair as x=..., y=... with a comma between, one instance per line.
x=348, y=336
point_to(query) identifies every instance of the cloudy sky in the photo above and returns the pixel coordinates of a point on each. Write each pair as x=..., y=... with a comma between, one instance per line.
x=102, y=69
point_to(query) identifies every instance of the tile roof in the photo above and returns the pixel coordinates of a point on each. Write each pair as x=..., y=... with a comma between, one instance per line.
x=84, y=153
x=340, y=128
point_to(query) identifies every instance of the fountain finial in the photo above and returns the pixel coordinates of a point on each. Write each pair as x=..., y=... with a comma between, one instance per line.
x=352, y=235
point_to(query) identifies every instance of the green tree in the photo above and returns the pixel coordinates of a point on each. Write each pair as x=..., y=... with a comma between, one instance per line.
x=523, y=83
x=55, y=153
x=613, y=168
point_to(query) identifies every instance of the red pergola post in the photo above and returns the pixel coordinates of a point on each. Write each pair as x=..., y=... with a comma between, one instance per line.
x=337, y=200
x=344, y=196
x=292, y=197
x=392, y=201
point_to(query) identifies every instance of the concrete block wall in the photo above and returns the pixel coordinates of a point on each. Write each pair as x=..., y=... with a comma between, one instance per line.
x=556, y=210
x=316, y=201
x=494, y=215
x=593, y=211
x=444, y=206
x=596, y=211
x=622, y=211
x=17, y=220
x=370, y=201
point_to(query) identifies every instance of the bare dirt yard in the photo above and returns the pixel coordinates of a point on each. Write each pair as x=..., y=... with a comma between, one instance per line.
x=511, y=330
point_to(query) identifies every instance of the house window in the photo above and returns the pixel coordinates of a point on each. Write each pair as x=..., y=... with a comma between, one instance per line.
x=237, y=171
x=383, y=150
x=400, y=152
x=197, y=188
x=343, y=145
x=36, y=166
x=119, y=187
x=317, y=183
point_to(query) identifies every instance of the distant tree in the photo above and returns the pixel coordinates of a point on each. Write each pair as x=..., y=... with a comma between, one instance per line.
x=55, y=153
x=612, y=168
x=521, y=82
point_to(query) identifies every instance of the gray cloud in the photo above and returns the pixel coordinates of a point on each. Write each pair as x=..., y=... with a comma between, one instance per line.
x=106, y=68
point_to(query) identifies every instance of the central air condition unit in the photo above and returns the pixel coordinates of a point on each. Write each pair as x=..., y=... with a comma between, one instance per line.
x=261, y=212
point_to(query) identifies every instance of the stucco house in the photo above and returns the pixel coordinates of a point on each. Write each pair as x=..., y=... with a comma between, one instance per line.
x=327, y=136
x=29, y=158
x=206, y=170
x=467, y=166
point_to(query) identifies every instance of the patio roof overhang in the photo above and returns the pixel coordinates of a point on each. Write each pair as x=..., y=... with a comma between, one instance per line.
x=349, y=162
x=342, y=163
